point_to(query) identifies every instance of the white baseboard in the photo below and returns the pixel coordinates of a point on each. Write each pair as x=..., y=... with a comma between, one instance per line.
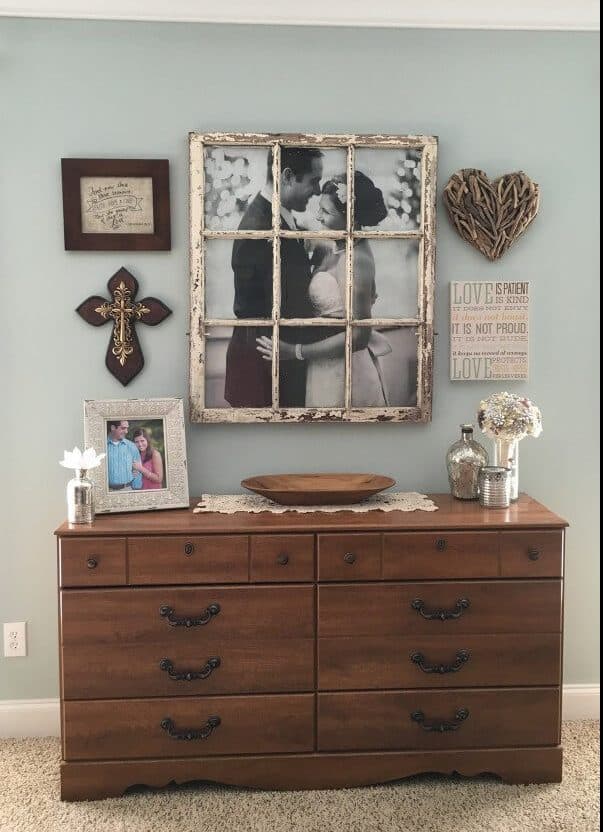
x=30, y=718
x=41, y=717
x=581, y=702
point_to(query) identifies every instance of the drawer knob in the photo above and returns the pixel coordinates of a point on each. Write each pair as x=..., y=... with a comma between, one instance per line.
x=461, y=657
x=186, y=620
x=92, y=563
x=189, y=548
x=189, y=675
x=190, y=733
x=442, y=725
x=441, y=544
x=349, y=557
x=442, y=615
x=534, y=554
x=282, y=560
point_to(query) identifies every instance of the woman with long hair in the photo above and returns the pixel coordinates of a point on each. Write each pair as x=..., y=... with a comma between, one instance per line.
x=151, y=465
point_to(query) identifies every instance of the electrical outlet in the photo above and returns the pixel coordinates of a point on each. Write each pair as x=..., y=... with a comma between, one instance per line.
x=15, y=639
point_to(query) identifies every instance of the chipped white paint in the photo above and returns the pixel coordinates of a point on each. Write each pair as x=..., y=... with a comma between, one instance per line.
x=423, y=323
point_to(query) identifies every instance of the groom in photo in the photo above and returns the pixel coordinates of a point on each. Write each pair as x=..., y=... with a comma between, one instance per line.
x=122, y=454
x=248, y=375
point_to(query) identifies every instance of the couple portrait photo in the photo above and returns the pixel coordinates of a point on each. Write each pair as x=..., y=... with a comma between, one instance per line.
x=239, y=277
x=135, y=455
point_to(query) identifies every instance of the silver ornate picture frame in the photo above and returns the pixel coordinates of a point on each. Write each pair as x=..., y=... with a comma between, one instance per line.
x=145, y=467
x=312, y=277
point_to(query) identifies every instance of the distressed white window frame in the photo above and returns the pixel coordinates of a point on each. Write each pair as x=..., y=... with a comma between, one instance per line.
x=426, y=278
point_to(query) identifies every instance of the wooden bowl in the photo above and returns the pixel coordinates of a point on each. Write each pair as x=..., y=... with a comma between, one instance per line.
x=317, y=489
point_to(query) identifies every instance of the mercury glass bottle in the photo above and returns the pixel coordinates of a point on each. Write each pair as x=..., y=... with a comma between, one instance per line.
x=80, y=499
x=463, y=460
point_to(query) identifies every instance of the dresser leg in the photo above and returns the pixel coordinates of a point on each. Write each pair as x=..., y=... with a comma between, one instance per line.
x=90, y=781
x=540, y=765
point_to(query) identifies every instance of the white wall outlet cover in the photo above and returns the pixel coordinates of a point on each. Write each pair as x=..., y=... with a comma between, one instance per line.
x=15, y=639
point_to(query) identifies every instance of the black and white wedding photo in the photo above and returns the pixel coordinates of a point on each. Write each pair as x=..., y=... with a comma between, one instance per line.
x=311, y=270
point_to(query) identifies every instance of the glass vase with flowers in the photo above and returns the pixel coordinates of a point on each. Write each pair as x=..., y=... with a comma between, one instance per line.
x=507, y=419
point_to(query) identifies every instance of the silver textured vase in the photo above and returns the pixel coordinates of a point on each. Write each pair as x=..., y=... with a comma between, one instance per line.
x=464, y=459
x=506, y=454
x=80, y=499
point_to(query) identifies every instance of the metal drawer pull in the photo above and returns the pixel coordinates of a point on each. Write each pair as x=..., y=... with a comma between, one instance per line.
x=189, y=675
x=92, y=563
x=440, y=544
x=462, y=656
x=443, y=615
x=440, y=727
x=282, y=560
x=349, y=557
x=534, y=554
x=189, y=548
x=188, y=621
x=191, y=733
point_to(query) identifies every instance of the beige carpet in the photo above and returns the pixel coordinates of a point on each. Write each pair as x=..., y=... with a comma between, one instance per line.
x=29, y=802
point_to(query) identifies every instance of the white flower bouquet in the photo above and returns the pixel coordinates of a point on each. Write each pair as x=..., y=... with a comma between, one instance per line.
x=78, y=461
x=507, y=417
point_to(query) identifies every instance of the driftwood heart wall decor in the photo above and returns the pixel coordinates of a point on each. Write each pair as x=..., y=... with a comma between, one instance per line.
x=491, y=215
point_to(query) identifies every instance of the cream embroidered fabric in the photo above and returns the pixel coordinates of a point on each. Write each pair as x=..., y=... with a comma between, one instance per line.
x=231, y=503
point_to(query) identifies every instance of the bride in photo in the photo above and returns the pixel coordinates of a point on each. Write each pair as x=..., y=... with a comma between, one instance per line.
x=326, y=358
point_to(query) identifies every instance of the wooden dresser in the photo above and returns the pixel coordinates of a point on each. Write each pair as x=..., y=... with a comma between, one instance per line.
x=299, y=651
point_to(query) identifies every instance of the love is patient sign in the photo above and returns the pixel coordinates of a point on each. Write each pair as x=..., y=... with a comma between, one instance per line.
x=489, y=330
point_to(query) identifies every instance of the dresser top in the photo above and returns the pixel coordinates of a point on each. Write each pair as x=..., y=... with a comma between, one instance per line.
x=526, y=513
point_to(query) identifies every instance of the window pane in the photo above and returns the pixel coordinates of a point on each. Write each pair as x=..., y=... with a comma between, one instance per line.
x=312, y=278
x=397, y=174
x=386, y=279
x=305, y=173
x=384, y=367
x=234, y=176
x=238, y=278
x=236, y=375
x=318, y=380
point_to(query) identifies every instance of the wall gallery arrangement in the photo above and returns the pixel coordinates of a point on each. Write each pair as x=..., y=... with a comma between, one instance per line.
x=312, y=271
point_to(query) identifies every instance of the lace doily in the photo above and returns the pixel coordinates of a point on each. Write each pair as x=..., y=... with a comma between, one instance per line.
x=231, y=503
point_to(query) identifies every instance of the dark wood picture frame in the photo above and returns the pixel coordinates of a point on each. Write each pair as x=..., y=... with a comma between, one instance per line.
x=77, y=240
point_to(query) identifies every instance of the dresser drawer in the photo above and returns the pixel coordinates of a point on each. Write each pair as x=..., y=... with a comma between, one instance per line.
x=349, y=557
x=92, y=561
x=531, y=554
x=378, y=662
x=211, y=665
x=281, y=557
x=175, y=616
x=135, y=728
x=410, y=719
x=424, y=555
x=440, y=608
x=205, y=559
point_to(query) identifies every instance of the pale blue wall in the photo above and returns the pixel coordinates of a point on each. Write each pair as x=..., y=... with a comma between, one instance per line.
x=498, y=101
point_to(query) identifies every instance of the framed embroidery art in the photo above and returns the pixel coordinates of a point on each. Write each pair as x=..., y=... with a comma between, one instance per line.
x=116, y=204
x=312, y=277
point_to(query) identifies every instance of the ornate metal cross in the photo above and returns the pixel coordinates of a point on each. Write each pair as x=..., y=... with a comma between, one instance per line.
x=124, y=357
